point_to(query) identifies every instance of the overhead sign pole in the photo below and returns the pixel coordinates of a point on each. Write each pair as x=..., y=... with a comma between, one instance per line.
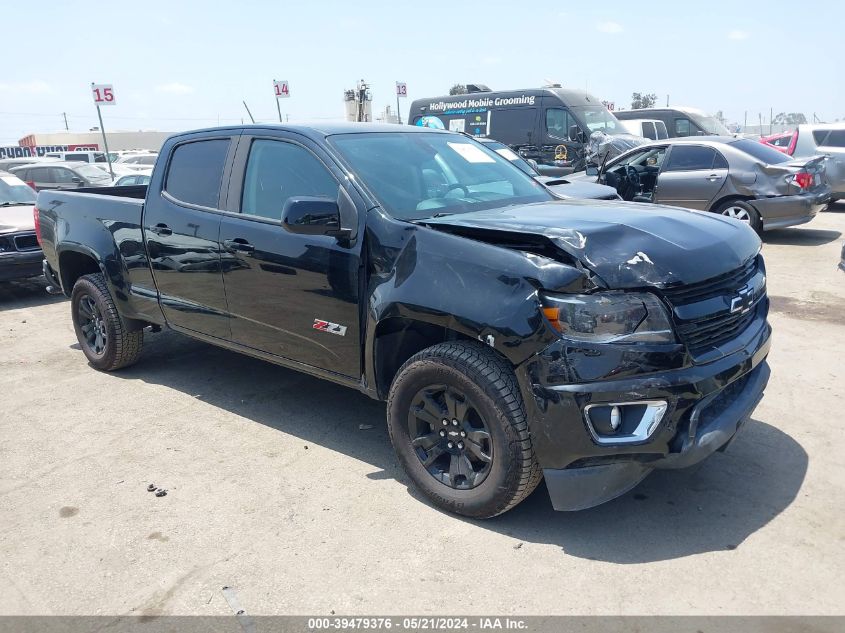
x=103, y=95
x=282, y=91
x=401, y=91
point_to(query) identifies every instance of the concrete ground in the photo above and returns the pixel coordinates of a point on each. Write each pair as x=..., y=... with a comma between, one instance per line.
x=276, y=490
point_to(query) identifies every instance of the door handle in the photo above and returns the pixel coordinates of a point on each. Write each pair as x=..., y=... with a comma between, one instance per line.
x=161, y=229
x=239, y=244
x=713, y=177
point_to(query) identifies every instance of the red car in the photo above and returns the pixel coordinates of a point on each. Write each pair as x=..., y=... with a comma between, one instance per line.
x=782, y=141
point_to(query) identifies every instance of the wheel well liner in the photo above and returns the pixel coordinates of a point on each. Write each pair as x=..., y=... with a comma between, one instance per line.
x=73, y=265
x=725, y=199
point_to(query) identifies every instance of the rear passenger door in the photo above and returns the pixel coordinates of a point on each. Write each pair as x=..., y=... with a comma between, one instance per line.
x=283, y=288
x=691, y=176
x=182, y=234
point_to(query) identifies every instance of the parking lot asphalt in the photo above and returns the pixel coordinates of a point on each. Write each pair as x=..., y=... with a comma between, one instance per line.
x=286, y=488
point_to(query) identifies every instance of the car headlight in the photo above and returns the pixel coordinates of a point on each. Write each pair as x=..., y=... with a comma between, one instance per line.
x=609, y=317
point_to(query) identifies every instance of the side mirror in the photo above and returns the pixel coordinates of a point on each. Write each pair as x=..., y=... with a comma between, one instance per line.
x=576, y=135
x=308, y=215
x=77, y=180
x=592, y=170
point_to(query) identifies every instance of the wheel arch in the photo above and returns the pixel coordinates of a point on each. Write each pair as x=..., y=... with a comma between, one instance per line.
x=76, y=261
x=729, y=198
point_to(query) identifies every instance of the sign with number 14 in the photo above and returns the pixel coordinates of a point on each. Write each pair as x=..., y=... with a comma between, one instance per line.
x=281, y=89
x=103, y=94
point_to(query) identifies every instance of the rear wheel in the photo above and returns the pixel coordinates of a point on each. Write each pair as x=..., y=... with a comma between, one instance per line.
x=742, y=211
x=458, y=426
x=102, y=335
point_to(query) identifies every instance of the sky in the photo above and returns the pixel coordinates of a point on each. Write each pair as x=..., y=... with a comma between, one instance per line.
x=184, y=64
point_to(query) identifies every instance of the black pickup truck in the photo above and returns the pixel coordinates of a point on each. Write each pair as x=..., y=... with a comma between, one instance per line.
x=514, y=336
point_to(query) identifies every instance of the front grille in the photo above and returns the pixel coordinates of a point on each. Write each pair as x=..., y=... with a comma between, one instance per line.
x=27, y=242
x=702, y=311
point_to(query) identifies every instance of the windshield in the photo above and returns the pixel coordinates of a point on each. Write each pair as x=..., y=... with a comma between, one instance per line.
x=506, y=152
x=91, y=172
x=711, y=125
x=419, y=175
x=598, y=117
x=13, y=190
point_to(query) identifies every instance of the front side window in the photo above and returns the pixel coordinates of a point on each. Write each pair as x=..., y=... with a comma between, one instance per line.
x=60, y=175
x=418, y=175
x=682, y=127
x=690, y=158
x=558, y=122
x=277, y=171
x=196, y=172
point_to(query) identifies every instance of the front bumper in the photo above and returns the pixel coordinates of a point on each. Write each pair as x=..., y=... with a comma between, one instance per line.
x=707, y=405
x=783, y=211
x=20, y=265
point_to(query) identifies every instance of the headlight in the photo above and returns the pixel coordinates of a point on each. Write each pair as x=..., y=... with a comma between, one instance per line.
x=609, y=317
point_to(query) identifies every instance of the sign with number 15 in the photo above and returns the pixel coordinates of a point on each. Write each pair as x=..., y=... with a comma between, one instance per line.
x=103, y=94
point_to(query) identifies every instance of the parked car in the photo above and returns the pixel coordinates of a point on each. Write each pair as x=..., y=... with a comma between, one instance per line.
x=20, y=254
x=558, y=184
x=132, y=179
x=653, y=129
x=514, y=335
x=8, y=164
x=738, y=178
x=679, y=121
x=137, y=161
x=827, y=139
x=782, y=141
x=62, y=175
x=550, y=125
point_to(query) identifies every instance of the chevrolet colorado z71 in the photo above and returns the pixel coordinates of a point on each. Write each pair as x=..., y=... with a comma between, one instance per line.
x=514, y=336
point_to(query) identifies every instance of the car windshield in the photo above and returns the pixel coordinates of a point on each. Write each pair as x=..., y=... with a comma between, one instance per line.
x=506, y=152
x=420, y=175
x=768, y=155
x=91, y=172
x=711, y=125
x=598, y=117
x=13, y=190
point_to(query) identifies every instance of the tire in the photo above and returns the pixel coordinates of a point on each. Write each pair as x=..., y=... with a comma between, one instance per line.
x=101, y=333
x=742, y=211
x=469, y=381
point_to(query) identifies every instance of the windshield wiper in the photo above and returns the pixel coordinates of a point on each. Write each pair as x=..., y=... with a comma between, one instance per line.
x=14, y=204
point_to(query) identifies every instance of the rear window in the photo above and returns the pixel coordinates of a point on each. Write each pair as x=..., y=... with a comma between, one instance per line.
x=196, y=172
x=768, y=155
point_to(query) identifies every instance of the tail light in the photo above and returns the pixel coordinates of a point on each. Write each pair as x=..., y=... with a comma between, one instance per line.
x=803, y=179
x=37, y=221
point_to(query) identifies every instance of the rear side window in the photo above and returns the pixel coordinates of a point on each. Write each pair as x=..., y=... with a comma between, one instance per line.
x=196, y=172
x=81, y=158
x=277, y=171
x=690, y=158
x=836, y=138
x=147, y=160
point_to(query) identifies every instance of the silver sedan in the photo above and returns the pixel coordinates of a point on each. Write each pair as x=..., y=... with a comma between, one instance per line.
x=739, y=178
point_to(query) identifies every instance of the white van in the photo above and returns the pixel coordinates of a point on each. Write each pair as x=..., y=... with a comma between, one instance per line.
x=81, y=157
x=648, y=128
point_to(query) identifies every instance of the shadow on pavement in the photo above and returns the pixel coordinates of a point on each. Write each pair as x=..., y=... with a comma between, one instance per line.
x=26, y=293
x=800, y=237
x=714, y=506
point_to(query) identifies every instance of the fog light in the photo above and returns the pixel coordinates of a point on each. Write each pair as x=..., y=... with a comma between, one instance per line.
x=624, y=422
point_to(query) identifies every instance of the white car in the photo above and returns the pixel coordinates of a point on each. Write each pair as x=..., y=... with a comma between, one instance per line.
x=137, y=161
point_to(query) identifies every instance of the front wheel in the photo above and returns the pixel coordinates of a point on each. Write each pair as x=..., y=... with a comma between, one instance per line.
x=101, y=333
x=742, y=211
x=458, y=426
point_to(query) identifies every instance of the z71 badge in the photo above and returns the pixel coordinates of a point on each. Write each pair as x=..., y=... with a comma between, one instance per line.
x=331, y=328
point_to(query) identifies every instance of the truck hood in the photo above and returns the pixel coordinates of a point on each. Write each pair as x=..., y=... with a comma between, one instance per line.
x=627, y=245
x=17, y=218
x=563, y=186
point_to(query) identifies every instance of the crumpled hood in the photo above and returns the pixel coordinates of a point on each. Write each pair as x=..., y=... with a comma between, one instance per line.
x=17, y=218
x=628, y=245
